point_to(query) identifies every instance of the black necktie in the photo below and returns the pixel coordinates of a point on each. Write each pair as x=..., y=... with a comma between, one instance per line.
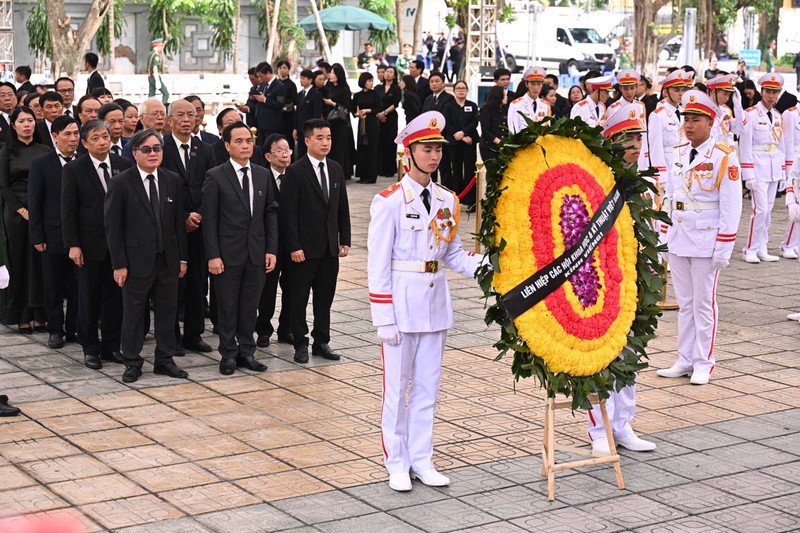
x=154, y=204
x=115, y=149
x=324, y=182
x=692, y=155
x=426, y=199
x=279, y=180
x=597, y=111
x=67, y=159
x=68, y=113
x=534, y=106
x=106, y=177
x=185, y=148
x=246, y=189
x=769, y=115
x=302, y=95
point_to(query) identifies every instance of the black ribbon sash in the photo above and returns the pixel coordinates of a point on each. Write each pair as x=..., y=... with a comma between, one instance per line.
x=546, y=280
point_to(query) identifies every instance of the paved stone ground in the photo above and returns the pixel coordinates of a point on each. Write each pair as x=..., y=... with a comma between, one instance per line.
x=298, y=448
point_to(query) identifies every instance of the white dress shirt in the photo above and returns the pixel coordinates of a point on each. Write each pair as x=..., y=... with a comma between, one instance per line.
x=315, y=164
x=238, y=169
x=96, y=163
x=146, y=182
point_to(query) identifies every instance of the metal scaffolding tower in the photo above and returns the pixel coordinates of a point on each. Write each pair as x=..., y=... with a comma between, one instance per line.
x=481, y=35
x=6, y=31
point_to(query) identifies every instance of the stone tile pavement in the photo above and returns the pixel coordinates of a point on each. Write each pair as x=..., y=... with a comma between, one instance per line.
x=298, y=447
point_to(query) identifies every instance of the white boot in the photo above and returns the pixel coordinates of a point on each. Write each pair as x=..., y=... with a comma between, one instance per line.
x=600, y=445
x=401, y=482
x=431, y=477
x=700, y=378
x=674, y=372
x=634, y=443
x=793, y=316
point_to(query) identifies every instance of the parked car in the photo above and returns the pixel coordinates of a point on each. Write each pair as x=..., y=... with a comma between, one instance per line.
x=671, y=49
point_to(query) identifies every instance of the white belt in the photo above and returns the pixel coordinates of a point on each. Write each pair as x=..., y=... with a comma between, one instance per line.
x=693, y=206
x=416, y=266
x=765, y=147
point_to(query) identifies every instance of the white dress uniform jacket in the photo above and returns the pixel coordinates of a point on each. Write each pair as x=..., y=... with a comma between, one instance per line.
x=791, y=146
x=664, y=133
x=724, y=126
x=761, y=145
x=591, y=112
x=536, y=110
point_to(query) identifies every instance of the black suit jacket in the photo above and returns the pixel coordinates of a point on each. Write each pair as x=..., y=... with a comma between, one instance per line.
x=785, y=101
x=268, y=113
x=308, y=108
x=42, y=135
x=95, y=81
x=44, y=202
x=439, y=105
x=423, y=88
x=221, y=155
x=130, y=224
x=201, y=160
x=4, y=128
x=276, y=193
x=208, y=138
x=310, y=224
x=229, y=231
x=82, y=210
x=26, y=86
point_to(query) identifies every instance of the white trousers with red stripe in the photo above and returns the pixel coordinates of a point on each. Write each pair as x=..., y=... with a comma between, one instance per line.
x=408, y=408
x=762, y=198
x=790, y=241
x=621, y=406
x=695, y=284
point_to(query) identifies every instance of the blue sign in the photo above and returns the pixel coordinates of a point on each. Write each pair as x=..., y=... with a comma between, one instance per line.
x=752, y=58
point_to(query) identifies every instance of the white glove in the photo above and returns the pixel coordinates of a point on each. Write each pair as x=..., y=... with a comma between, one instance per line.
x=737, y=100
x=750, y=184
x=717, y=263
x=794, y=211
x=389, y=334
x=4, y=277
x=781, y=185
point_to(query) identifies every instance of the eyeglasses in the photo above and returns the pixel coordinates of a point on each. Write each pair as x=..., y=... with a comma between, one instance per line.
x=282, y=152
x=65, y=91
x=147, y=149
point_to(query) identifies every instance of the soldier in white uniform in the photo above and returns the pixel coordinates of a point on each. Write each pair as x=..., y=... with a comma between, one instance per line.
x=704, y=199
x=628, y=82
x=761, y=150
x=413, y=234
x=625, y=124
x=592, y=109
x=791, y=146
x=721, y=89
x=530, y=104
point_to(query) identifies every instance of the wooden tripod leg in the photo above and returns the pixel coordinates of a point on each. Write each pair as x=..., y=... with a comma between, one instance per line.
x=544, y=439
x=612, y=446
x=551, y=449
x=664, y=304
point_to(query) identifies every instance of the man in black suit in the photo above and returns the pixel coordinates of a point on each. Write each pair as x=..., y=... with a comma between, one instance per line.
x=95, y=81
x=114, y=118
x=785, y=101
x=190, y=158
x=309, y=106
x=225, y=118
x=83, y=188
x=437, y=101
x=147, y=242
x=52, y=105
x=199, y=119
x=240, y=230
x=269, y=99
x=22, y=75
x=153, y=114
x=279, y=156
x=423, y=88
x=44, y=225
x=561, y=108
x=8, y=101
x=316, y=219
x=66, y=88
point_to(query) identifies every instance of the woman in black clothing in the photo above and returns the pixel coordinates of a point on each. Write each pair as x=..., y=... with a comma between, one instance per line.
x=461, y=129
x=750, y=95
x=291, y=97
x=366, y=104
x=390, y=95
x=412, y=105
x=493, y=122
x=24, y=298
x=342, y=145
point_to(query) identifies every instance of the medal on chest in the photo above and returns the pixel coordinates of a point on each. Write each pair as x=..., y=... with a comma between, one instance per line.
x=445, y=224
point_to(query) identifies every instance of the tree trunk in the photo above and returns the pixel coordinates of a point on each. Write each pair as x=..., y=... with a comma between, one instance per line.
x=273, y=32
x=418, y=23
x=112, y=25
x=237, y=25
x=398, y=14
x=69, y=46
x=326, y=49
x=267, y=19
x=645, y=39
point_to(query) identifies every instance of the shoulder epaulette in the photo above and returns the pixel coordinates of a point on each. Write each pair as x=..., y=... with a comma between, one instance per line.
x=791, y=108
x=390, y=189
x=442, y=187
x=582, y=102
x=750, y=108
x=517, y=100
x=658, y=110
x=724, y=147
x=681, y=145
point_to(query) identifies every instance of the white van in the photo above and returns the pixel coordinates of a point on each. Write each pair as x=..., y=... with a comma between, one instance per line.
x=563, y=42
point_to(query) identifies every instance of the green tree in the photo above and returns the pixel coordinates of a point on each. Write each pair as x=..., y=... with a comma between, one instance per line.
x=165, y=19
x=103, y=38
x=290, y=39
x=382, y=39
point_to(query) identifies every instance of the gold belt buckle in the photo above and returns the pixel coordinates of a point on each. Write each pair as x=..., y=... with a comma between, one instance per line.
x=772, y=147
x=679, y=206
x=431, y=267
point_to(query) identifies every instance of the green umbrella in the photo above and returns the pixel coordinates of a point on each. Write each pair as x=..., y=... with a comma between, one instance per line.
x=346, y=18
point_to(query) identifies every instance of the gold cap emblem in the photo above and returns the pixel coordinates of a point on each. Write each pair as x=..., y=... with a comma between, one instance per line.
x=632, y=114
x=433, y=124
x=692, y=99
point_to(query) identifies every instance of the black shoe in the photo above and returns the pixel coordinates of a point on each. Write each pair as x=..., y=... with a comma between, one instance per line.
x=26, y=331
x=7, y=410
x=227, y=366
x=288, y=338
x=250, y=363
x=114, y=357
x=262, y=341
x=131, y=374
x=73, y=337
x=92, y=361
x=199, y=346
x=170, y=369
x=179, y=351
x=301, y=354
x=325, y=351
x=41, y=328
x=55, y=341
